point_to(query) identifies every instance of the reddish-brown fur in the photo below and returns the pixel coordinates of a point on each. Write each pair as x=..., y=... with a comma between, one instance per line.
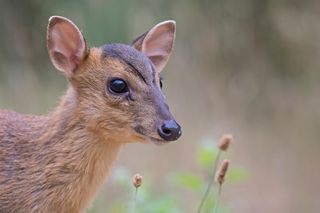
x=56, y=163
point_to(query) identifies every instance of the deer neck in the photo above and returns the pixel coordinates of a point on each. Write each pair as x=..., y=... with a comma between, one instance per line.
x=82, y=157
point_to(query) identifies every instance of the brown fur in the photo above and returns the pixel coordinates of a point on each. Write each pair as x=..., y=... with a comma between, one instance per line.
x=56, y=163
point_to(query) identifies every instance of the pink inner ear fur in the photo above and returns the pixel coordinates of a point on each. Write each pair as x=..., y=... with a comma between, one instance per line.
x=158, y=44
x=68, y=44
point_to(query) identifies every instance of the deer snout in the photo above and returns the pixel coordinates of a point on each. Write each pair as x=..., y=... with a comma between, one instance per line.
x=170, y=130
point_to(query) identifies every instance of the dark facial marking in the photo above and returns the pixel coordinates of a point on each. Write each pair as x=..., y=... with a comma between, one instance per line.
x=137, y=72
x=140, y=64
x=139, y=129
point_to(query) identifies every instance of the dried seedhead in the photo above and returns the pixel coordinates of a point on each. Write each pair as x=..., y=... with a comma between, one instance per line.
x=222, y=171
x=137, y=180
x=225, y=142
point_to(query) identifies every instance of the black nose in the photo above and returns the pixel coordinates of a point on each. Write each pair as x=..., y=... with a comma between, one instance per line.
x=169, y=130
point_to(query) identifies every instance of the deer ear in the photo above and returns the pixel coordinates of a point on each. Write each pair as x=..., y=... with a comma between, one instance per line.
x=157, y=43
x=66, y=45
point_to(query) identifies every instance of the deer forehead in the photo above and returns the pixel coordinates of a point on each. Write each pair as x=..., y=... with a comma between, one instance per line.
x=133, y=58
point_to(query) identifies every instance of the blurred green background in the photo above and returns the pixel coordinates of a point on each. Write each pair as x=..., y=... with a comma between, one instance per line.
x=250, y=68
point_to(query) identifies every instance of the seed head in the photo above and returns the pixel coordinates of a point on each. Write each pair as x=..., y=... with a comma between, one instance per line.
x=225, y=142
x=222, y=171
x=137, y=180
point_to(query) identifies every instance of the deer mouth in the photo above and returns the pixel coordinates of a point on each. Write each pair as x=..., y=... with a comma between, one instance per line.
x=150, y=139
x=157, y=141
x=153, y=140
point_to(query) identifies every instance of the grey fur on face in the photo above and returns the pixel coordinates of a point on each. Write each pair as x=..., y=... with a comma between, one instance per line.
x=140, y=63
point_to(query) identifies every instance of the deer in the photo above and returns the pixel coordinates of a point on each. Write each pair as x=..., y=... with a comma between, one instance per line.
x=57, y=162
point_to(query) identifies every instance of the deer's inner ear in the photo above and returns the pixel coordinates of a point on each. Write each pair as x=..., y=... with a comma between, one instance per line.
x=157, y=44
x=66, y=45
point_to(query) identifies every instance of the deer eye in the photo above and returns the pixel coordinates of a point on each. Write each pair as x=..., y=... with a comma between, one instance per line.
x=118, y=86
x=161, y=83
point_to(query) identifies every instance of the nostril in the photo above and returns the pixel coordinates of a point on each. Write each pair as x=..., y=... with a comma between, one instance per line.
x=170, y=130
x=166, y=130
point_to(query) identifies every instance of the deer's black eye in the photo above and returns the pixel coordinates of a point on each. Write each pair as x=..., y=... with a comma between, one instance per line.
x=161, y=83
x=118, y=86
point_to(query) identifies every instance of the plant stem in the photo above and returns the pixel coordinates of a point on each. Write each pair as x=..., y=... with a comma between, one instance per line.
x=134, y=206
x=211, y=181
x=218, y=199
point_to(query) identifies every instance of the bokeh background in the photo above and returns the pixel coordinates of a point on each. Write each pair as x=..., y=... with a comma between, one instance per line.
x=250, y=68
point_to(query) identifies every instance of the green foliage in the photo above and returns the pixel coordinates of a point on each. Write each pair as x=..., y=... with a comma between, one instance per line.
x=188, y=180
x=236, y=175
x=162, y=204
x=206, y=154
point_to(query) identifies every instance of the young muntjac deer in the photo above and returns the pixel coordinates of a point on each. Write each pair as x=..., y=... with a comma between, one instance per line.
x=56, y=163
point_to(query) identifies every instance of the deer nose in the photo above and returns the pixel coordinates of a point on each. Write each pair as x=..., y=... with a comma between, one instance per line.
x=170, y=130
